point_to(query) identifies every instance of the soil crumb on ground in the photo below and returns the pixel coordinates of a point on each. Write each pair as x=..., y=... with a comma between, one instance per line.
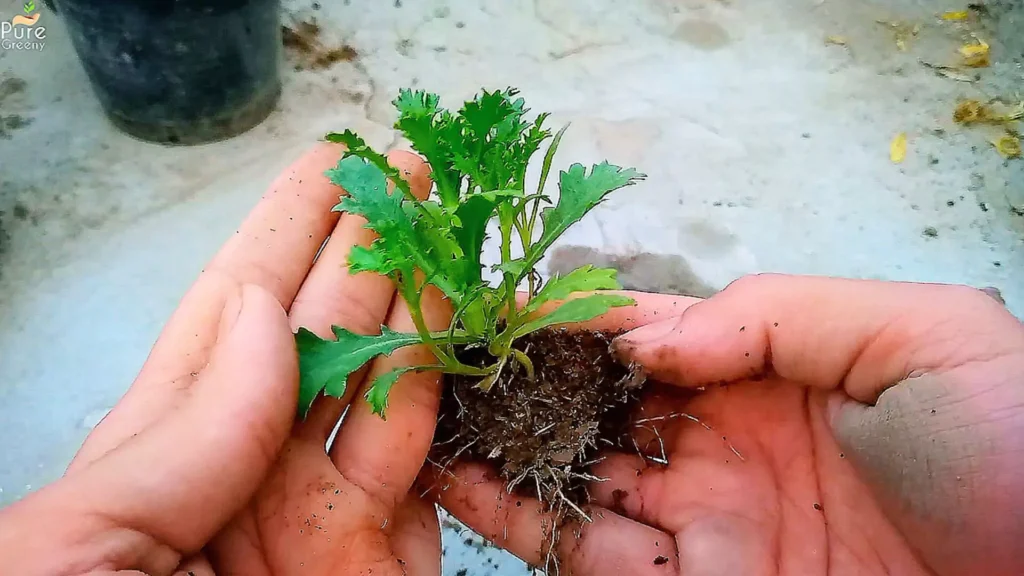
x=542, y=435
x=303, y=42
x=11, y=87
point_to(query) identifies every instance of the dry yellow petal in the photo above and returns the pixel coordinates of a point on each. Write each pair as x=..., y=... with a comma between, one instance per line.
x=837, y=40
x=969, y=50
x=898, y=148
x=955, y=15
x=970, y=111
x=975, y=55
x=1008, y=145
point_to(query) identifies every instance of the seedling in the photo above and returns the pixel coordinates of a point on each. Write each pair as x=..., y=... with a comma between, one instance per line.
x=478, y=157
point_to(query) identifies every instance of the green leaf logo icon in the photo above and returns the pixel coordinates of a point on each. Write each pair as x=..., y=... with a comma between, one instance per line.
x=30, y=7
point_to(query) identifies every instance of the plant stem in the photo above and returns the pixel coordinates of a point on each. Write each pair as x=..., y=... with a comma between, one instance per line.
x=413, y=299
x=525, y=232
x=465, y=370
x=505, y=220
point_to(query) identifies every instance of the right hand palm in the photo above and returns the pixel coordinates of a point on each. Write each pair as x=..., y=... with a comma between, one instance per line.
x=852, y=427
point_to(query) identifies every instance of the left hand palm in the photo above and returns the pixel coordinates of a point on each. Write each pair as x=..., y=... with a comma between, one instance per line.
x=201, y=469
x=307, y=518
x=349, y=511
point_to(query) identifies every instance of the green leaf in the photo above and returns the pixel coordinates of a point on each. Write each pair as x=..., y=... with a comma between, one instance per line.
x=325, y=365
x=474, y=214
x=418, y=104
x=585, y=279
x=379, y=390
x=29, y=7
x=478, y=157
x=431, y=132
x=381, y=386
x=362, y=259
x=579, y=193
x=409, y=237
x=367, y=195
x=356, y=146
x=549, y=157
x=438, y=235
x=578, y=310
x=517, y=268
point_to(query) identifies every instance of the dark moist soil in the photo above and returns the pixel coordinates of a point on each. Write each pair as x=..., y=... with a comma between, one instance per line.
x=542, y=435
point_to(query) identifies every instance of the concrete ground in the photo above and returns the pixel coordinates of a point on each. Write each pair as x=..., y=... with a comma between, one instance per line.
x=767, y=149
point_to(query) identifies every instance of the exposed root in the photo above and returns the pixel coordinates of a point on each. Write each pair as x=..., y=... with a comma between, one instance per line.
x=640, y=423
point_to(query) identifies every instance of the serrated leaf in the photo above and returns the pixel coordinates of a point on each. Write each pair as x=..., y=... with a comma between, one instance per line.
x=579, y=193
x=517, y=268
x=362, y=259
x=496, y=142
x=439, y=235
x=381, y=386
x=431, y=132
x=356, y=146
x=474, y=214
x=585, y=279
x=408, y=237
x=418, y=104
x=367, y=195
x=325, y=365
x=578, y=310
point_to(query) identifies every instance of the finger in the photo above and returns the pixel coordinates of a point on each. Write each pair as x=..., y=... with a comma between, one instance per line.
x=196, y=566
x=331, y=296
x=649, y=308
x=179, y=481
x=863, y=335
x=382, y=456
x=272, y=249
x=610, y=544
x=416, y=537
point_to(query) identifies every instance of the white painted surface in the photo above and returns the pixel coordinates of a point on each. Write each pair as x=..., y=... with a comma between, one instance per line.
x=767, y=150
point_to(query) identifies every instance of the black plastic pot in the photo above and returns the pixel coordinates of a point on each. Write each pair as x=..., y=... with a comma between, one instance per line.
x=179, y=71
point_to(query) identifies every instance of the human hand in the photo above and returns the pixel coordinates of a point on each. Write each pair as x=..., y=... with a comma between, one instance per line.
x=852, y=427
x=197, y=441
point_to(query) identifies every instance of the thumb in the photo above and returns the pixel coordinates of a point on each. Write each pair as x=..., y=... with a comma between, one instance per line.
x=178, y=481
x=827, y=333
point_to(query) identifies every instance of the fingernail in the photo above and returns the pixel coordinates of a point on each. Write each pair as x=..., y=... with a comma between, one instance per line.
x=834, y=405
x=626, y=345
x=994, y=293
